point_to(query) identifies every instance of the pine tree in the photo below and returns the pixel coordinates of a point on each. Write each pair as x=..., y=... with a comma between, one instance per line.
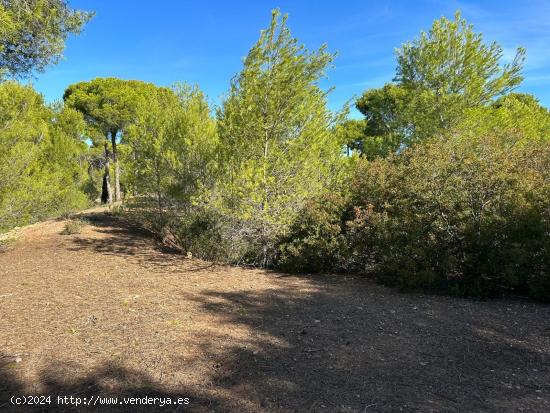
x=276, y=132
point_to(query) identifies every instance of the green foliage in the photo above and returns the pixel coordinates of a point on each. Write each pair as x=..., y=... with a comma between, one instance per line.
x=227, y=190
x=453, y=193
x=449, y=70
x=170, y=160
x=110, y=106
x=316, y=240
x=201, y=233
x=148, y=139
x=516, y=118
x=33, y=33
x=451, y=60
x=74, y=226
x=41, y=157
x=465, y=215
x=171, y=145
x=385, y=112
x=441, y=76
x=276, y=135
x=209, y=235
x=350, y=134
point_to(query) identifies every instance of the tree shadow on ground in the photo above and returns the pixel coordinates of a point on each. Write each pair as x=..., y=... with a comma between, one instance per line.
x=127, y=239
x=345, y=349
x=97, y=390
x=351, y=349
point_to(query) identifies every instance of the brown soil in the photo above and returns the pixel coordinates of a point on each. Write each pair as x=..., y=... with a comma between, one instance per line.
x=107, y=312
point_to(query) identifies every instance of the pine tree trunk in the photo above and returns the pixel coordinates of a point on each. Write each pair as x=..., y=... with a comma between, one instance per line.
x=118, y=196
x=106, y=194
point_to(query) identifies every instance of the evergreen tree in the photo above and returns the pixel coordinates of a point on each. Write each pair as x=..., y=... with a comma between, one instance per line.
x=275, y=132
x=441, y=76
x=109, y=105
x=33, y=33
x=41, y=156
x=171, y=145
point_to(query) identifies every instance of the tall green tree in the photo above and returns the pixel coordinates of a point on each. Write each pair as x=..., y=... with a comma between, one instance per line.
x=388, y=120
x=109, y=105
x=41, y=157
x=275, y=131
x=33, y=33
x=440, y=76
x=194, y=145
x=453, y=60
x=149, y=139
x=171, y=146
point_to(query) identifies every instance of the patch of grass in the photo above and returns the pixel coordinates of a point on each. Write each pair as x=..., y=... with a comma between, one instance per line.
x=74, y=226
x=66, y=215
x=7, y=242
x=175, y=322
x=117, y=210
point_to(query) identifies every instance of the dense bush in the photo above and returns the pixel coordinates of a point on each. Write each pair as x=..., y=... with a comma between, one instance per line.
x=464, y=215
x=203, y=232
x=211, y=236
x=316, y=241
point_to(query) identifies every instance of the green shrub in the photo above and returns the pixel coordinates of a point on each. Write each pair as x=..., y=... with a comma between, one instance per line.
x=316, y=241
x=200, y=233
x=208, y=234
x=74, y=226
x=463, y=215
x=7, y=241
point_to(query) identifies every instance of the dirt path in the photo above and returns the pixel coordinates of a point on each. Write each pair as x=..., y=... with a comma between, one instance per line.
x=105, y=312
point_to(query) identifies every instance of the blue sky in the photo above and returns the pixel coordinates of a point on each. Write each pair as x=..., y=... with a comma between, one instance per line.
x=166, y=41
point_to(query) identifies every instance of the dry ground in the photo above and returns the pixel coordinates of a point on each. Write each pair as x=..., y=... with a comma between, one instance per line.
x=108, y=312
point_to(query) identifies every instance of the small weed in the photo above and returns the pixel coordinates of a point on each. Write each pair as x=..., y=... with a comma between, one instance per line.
x=74, y=226
x=117, y=210
x=130, y=300
x=6, y=243
x=65, y=215
x=175, y=322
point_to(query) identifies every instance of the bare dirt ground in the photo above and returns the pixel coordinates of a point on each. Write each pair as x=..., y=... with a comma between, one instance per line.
x=107, y=312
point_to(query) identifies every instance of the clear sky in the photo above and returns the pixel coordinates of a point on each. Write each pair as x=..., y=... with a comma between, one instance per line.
x=204, y=42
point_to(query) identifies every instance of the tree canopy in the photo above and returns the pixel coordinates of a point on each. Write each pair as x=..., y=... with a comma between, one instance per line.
x=171, y=144
x=109, y=105
x=451, y=60
x=33, y=34
x=440, y=75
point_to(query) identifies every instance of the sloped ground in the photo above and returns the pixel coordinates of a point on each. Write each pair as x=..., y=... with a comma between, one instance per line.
x=106, y=312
